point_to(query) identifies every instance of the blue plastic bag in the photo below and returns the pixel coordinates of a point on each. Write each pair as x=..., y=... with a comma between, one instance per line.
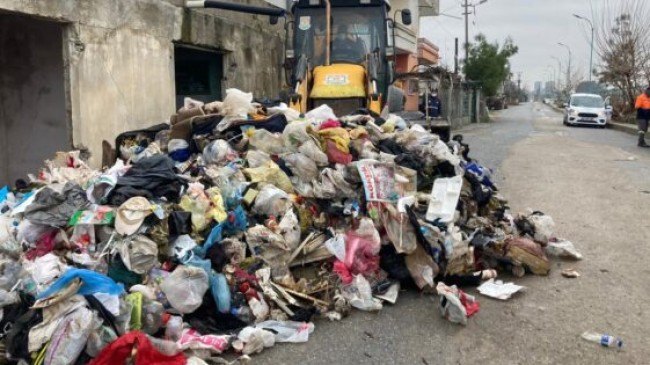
x=92, y=282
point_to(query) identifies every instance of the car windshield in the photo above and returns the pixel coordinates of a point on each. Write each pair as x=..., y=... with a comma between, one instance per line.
x=587, y=101
x=355, y=32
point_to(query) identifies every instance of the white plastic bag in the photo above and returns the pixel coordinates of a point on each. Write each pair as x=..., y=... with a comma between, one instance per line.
x=218, y=152
x=288, y=331
x=185, y=288
x=237, y=103
x=295, y=134
x=289, y=228
x=268, y=142
x=563, y=248
x=359, y=294
x=271, y=201
x=302, y=166
x=253, y=340
x=257, y=158
x=544, y=226
x=321, y=114
x=450, y=306
x=314, y=152
x=70, y=337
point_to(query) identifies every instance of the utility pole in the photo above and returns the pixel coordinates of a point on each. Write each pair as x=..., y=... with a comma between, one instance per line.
x=456, y=55
x=466, y=5
x=518, y=86
x=466, y=13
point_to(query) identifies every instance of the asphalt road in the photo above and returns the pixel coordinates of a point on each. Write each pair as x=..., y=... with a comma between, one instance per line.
x=596, y=185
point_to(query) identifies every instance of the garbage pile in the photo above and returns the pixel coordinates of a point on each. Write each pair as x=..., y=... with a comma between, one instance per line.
x=236, y=225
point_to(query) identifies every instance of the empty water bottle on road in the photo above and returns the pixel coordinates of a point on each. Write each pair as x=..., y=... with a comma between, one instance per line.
x=604, y=340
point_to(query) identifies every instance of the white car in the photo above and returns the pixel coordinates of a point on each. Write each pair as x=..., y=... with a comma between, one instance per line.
x=586, y=109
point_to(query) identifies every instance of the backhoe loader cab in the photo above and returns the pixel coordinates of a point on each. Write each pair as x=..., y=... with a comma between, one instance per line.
x=338, y=54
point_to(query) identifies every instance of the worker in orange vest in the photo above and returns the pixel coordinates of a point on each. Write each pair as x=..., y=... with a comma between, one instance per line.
x=642, y=107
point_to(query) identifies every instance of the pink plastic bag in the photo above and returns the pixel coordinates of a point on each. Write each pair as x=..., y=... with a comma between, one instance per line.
x=360, y=258
x=334, y=155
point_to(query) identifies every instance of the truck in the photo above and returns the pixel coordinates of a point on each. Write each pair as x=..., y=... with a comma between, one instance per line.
x=337, y=52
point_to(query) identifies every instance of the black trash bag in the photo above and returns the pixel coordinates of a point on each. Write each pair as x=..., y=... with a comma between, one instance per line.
x=389, y=146
x=18, y=336
x=12, y=312
x=482, y=195
x=179, y=223
x=152, y=177
x=206, y=319
x=218, y=257
x=393, y=263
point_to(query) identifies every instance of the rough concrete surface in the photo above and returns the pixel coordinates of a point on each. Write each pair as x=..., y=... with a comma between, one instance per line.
x=596, y=185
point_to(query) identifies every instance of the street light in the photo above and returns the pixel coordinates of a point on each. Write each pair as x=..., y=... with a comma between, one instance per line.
x=591, y=55
x=568, y=70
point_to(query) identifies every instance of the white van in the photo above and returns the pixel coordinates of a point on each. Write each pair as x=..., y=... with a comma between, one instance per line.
x=586, y=109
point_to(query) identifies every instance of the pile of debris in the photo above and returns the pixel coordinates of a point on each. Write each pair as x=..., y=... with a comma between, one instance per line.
x=236, y=225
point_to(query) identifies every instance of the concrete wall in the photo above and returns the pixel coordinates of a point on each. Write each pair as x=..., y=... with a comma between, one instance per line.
x=33, y=120
x=119, y=58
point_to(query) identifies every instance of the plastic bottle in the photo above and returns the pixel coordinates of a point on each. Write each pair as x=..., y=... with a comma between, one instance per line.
x=604, y=340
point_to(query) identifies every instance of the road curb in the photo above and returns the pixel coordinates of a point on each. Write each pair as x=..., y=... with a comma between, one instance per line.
x=627, y=128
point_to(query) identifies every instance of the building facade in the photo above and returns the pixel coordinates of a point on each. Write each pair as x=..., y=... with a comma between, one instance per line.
x=76, y=72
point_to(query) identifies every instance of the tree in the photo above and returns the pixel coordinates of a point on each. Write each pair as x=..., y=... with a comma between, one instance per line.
x=623, y=45
x=489, y=63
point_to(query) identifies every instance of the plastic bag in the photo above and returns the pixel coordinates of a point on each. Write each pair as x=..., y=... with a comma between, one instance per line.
x=219, y=152
x=185, y=288
x=237, y=103
x=322, y=113
x=268, y=142
x=271, y=201
x=454, y=304
x=44, y=270
x=289, y=228
x=544, y=226
x=220, y=292
x=99, y=337
x=70, y=337
x=271, y=174
x=335, y=155
x=359, y=294
x=257, y=158
x=295, y=135
x=270, y=247
x=399, y=229
x=314, y=153
x=118, y=351
x=288, y=331
x=253, y=340
x=422, y=268
x=91, y=282
x=191, y=339
x=301, y=166
x=361, y=255
x=563, y=248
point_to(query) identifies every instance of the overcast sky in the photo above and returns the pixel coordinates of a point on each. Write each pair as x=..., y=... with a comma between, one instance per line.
x=536, y=26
